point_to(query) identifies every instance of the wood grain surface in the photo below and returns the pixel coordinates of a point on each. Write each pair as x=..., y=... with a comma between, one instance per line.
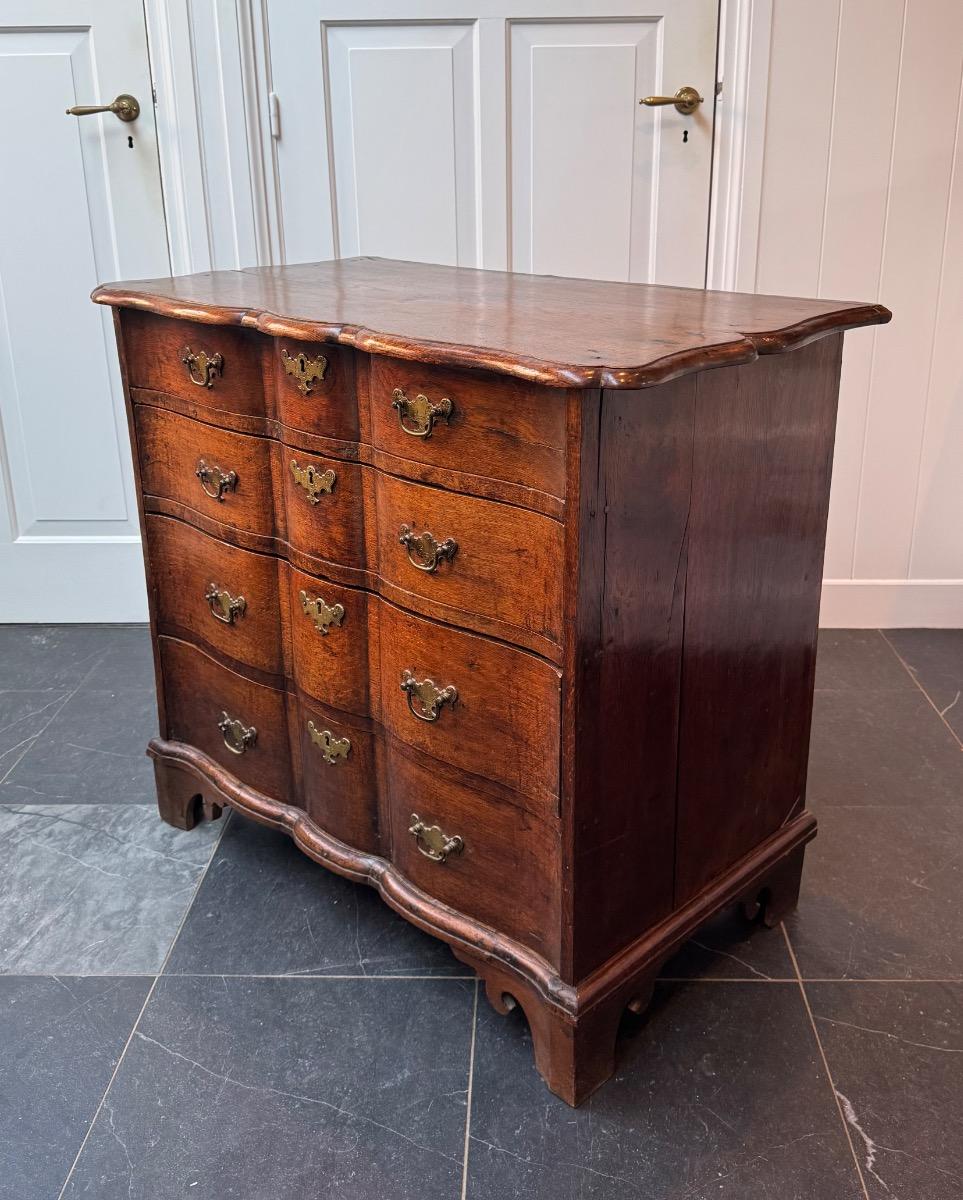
x=563, y=332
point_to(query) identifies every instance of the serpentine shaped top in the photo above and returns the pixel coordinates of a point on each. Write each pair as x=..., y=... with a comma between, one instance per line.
x=570, y=333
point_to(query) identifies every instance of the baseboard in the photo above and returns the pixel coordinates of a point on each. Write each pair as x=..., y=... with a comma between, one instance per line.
x=892, y=604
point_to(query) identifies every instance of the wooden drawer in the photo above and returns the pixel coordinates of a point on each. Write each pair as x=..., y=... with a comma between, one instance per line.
x=324, y=406
x=504, y=724
x=155, y=349
x=172, y=449
x=223, y=596
x=199, y=693
x=506, y=872
x=330, y=641
x=500, y=427
x=340, y=778
x=507, y=563
x=323, y=506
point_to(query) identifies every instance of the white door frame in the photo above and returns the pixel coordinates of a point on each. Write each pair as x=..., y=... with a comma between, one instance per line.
x=211, y=61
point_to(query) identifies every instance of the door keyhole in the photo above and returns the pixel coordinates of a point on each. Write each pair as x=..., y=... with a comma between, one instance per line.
x=685, y=135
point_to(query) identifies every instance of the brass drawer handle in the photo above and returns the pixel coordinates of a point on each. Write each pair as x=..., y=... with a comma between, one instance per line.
x=432, y=699
x=202, y=368
x=322, y=615
x=332, y=748
x=432, y=841
x=237, y=736
x=307, y=371
x=224, y=606
x=420, y=411
x=214, y=481
x=313, y=481
x=429, y=551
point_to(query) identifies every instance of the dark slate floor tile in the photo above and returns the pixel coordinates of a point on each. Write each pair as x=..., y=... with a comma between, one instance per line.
x=92, y=752
x=94, y=889
x=730, y=947
x=719, y=1092
x=287, y=1089
x=881, y=895
x=881, y=748
x=858, y=660
x=896, y=1055
x=22, y=716
x=127, y=662
x=35, y=657
x=60, y=1040
x=267, y=909
x=935, y=656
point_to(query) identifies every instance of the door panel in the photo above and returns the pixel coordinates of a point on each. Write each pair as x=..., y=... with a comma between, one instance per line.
x=402, y=125
x=510, y=138
x=80, y=204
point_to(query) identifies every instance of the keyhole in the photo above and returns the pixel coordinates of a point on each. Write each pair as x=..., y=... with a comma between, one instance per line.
x=130, y=143
x=685, y=135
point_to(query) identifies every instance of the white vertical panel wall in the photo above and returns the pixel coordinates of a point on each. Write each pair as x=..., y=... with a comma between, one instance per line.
x=862, y=197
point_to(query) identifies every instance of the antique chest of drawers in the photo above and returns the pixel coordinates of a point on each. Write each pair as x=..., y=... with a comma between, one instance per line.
x=498, y=593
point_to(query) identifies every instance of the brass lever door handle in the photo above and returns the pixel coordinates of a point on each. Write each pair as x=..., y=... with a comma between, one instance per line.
x=686, y=100
x=125, y=108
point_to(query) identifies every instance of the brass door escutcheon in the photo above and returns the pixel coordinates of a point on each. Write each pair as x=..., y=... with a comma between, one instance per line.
x=322, y=615
x=307, y=371
x=214, y=481
x=429, y=551
x=420, y=411
x=432, y=841
x=202, y=368
x=224, y=606
x=432, y=699
x=314, y=482
x=238, y=737
x=332, y=748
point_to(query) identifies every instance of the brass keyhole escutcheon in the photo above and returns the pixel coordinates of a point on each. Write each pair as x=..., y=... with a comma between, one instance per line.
x=315, y=483
x=305, y=371
x=322, y=615
x=333, y=749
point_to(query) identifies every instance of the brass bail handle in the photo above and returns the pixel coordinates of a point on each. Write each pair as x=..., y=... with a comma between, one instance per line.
x=686, y=100
x=124, y=107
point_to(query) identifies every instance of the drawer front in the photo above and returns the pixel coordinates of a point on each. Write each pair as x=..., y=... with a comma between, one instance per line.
x=223, y=596
x=469, y=421
x=242, y=725
x=487, y=708
x=476, y=555
x=340, y=778
x=217, y=366
x=491, y=860
x=324, y=507
x=225, y=476
x=314, y=386
x=330, y=641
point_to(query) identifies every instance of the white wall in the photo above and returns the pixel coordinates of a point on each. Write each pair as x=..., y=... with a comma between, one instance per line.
x=845, y=185
x=862, y=197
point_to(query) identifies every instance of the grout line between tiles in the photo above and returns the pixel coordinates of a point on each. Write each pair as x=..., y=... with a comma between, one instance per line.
x=912, y=675
x=471, y=1080
x=143, y=1007
x=825, y=1060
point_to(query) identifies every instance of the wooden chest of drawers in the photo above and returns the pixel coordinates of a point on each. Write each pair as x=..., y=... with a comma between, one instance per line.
x=494, y=596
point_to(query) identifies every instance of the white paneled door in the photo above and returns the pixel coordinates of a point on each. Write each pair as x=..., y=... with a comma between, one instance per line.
x=497, y=136
x=80, y=202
